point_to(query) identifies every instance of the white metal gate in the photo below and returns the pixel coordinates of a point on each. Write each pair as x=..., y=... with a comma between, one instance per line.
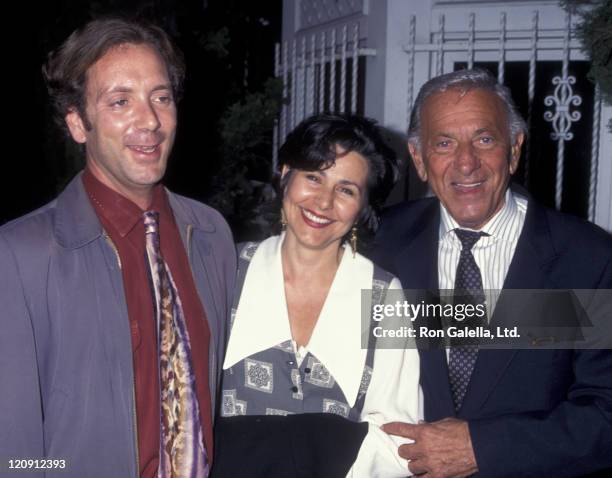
x=333, y=53
x=320, y=74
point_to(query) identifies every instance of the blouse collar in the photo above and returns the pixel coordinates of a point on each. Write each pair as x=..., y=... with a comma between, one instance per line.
x=262, y=321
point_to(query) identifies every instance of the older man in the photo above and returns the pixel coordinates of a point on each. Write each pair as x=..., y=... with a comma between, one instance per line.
x=115, y=295
x=495, y=412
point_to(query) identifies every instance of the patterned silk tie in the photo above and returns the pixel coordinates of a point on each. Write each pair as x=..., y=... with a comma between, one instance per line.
x=182, y=452
x=468, y=290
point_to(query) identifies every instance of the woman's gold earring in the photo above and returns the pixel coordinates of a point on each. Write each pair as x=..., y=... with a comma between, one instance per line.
x=283, y=220
x=353, y=240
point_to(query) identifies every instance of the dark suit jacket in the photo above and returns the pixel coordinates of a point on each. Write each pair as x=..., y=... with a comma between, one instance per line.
x=530, y=412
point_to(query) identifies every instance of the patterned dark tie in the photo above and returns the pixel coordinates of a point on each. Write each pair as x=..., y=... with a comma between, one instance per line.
x=182, y=452
x=468, y=290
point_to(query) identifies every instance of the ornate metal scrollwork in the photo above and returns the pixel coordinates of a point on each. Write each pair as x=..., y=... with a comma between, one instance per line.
x=562, y=118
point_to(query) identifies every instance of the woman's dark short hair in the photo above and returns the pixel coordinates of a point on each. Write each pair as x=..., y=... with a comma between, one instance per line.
x=311, y=146
x=65, y=70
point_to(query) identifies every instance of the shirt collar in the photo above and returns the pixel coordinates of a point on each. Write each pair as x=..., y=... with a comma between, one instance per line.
x=262, y=322
x=494, y=228
x=118, y=210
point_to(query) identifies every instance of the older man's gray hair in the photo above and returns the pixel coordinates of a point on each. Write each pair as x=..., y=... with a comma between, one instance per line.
x=464, y=81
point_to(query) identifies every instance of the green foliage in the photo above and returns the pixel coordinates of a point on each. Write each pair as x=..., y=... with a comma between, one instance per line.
x=244, y=192
x=216, y=42
x=247, y=124
x=595, y=31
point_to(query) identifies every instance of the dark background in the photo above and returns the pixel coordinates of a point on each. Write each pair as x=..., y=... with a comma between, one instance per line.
x=229, y=52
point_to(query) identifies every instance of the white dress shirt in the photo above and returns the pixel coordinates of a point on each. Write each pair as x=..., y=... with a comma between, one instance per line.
x=493, y=253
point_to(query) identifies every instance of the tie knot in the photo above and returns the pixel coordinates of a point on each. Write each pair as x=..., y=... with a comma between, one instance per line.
x=151, y=221
x=468, y=238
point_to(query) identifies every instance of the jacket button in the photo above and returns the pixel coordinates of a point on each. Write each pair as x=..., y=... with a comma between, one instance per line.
x=290, y=362
x=294, y=389
x=307, y=370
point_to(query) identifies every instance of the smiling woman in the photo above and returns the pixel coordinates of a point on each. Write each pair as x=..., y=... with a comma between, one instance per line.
x=319, y=142
x=295, y=348
x=320, y=207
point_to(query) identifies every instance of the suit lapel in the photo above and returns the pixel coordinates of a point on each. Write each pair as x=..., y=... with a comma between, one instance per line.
x=196, y=240
x=534, y=253
x=417, y=263
x=417, y=268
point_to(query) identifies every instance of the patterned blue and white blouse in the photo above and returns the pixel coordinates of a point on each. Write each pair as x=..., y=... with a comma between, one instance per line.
x=265, y=373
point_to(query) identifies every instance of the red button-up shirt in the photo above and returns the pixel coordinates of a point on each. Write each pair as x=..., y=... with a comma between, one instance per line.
x=123, y=222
